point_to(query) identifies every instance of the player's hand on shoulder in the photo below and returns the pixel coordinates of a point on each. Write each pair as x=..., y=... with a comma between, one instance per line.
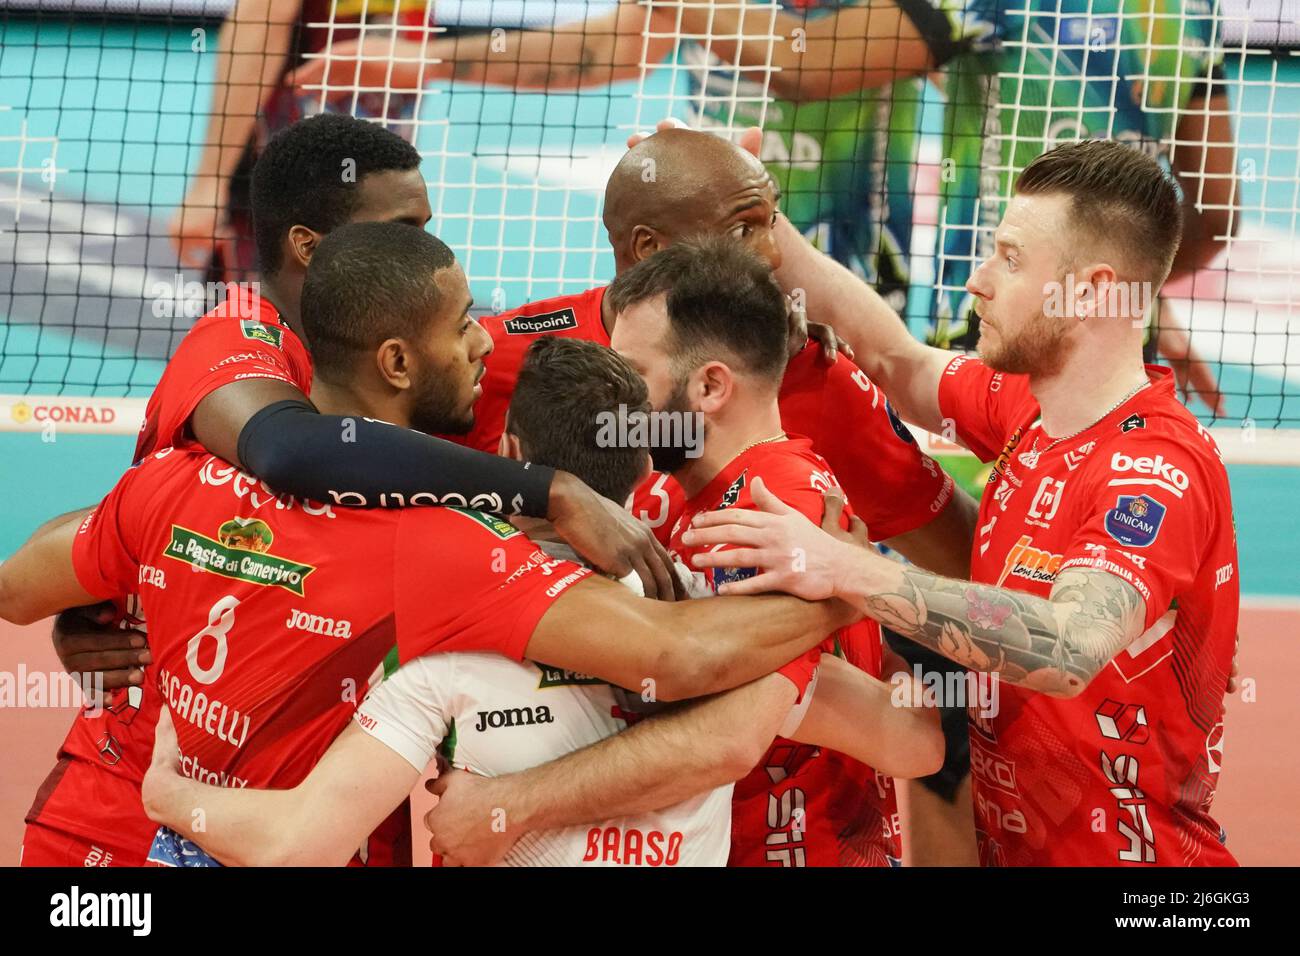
x=790, y=552
x=825, y=336
x=610, y=537
x=832, y=521
x=468, y=826
x=89, y=642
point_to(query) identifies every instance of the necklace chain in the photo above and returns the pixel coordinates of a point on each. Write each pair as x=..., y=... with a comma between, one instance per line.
x=1056, y=441
x=762, y=441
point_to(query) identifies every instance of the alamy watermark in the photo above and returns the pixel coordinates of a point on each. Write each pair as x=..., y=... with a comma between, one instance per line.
x=634, y=428
x=1082, y=300
x=33, y=689
x=179, y=299
x=978, y=692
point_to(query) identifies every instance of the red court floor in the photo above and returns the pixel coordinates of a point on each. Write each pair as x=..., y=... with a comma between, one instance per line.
x=1259, y=790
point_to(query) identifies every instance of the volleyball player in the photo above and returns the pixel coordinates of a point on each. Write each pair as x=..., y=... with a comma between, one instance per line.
x=1105, y=567
x=238, y=385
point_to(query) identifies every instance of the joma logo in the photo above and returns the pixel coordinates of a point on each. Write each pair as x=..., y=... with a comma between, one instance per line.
x=514, y=717
x=317, y=624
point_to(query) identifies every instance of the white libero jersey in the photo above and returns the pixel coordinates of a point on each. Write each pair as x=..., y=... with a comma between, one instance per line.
x=498, y=716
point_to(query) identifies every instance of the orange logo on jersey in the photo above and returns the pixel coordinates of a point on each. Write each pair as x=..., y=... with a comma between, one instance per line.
x=1029, y=562
x=1004, y=456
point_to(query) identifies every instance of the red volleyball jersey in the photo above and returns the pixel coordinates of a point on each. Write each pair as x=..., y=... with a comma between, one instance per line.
x=269, y=617
x=94, y=789
x=1124, y=773
x=801, y=806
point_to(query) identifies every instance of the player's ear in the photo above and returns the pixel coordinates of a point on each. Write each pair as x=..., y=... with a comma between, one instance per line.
x=645, y=242
x=508, y=447
x=713, y=385
x=395, y=360
x=302, y=245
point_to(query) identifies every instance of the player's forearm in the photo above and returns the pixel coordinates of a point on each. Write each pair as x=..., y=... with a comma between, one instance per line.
x=1054, y=646
x=251, y=50
x=872, y=721
x=725, y=642
x=656, y=763
x=1204, y=159
x=943, y=544
x=905, y=369
x=39, y=580
x=854, y=48
x=1202, y=240
x=238, y=827
x=592, y=52
x=355, y=461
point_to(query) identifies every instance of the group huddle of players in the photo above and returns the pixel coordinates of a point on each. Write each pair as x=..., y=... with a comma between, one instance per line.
x=333, y=597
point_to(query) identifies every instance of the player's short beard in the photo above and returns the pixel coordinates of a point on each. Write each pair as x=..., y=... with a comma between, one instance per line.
x=1040, y=347
x=436, y=409
x=671, y=457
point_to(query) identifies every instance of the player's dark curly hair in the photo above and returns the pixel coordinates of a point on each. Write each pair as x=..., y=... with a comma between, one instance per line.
x=722, y=303
x=309, y=173
x=564, y=386
x=369, y=281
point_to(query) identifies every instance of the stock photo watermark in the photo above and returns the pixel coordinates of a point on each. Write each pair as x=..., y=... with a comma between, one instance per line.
x=634, y=428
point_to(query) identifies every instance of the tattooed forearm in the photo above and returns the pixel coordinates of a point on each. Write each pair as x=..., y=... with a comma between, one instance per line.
x=1056, y=645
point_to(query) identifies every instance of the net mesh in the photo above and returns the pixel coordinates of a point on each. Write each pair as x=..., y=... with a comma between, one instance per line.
x=106, y=107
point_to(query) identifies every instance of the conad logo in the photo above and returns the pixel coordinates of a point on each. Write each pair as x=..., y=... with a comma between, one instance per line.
x=68, y=412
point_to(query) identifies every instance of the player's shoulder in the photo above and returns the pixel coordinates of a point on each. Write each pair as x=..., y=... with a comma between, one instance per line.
x=792, y=471
x=168, y=474
x=841, y=383
x=245, y=323
x=563, y=313
x=188, y=458
x=461, y=524
x=467, y=544
x=1161, y=447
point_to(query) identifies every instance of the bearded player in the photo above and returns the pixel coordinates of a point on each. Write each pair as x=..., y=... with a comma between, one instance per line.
x=1106, y=566
x=261, y=655
x=703, y=323
x=492, y=715
x=703, y=185
x=238, y=384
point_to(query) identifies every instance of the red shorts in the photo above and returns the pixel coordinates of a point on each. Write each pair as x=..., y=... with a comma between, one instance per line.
x=44, y=846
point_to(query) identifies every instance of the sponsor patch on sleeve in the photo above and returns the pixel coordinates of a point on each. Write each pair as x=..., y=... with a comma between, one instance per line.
x=261, y=332
x=558, y=321
x=902, y=431
x=1135, y=520
x=723, y=576
x=500, y=527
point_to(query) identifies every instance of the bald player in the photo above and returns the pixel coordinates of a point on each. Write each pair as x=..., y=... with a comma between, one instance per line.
x=679, y=183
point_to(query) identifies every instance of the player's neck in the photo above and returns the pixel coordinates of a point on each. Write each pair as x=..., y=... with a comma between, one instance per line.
x=345, y=398
x=287, y=299
x=725, y=438
x=1086, y=389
